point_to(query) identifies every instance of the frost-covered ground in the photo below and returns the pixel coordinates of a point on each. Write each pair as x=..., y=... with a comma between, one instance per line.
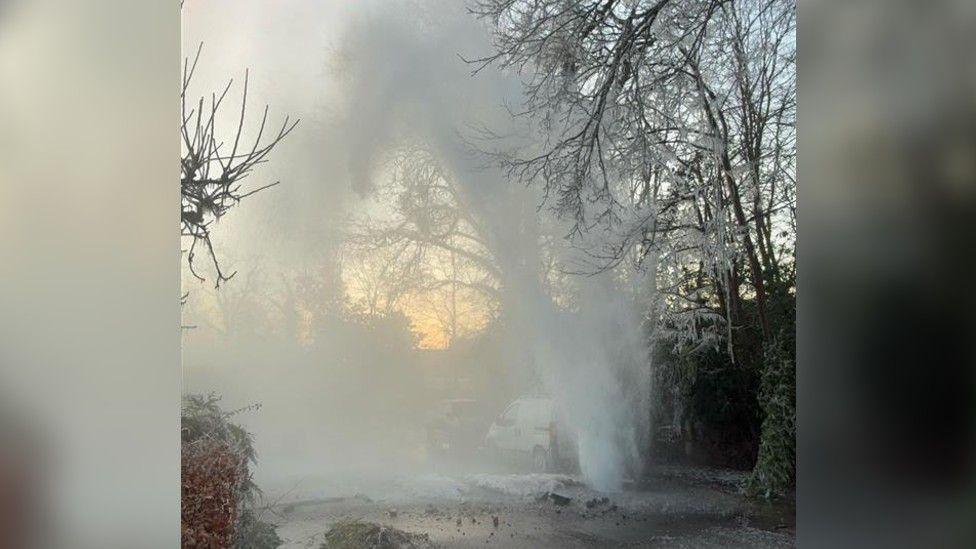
x=675, y=507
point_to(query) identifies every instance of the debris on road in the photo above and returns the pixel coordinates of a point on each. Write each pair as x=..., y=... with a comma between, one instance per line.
x=556, y=499
x=597, y=502
x=594, y=519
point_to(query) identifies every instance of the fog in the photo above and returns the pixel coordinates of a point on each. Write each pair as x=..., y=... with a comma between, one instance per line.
x=345, y=372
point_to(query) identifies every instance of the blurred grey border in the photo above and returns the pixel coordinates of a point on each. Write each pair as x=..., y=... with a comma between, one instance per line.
x=886, y=325
x=89, y=271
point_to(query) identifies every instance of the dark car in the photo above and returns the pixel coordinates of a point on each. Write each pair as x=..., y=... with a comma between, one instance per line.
x=457, y=427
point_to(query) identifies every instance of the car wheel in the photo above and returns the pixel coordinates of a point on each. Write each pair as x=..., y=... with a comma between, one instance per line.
x=540, y=460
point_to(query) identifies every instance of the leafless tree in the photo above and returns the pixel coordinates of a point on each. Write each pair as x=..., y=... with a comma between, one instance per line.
x=380, y=277
x=212, y=169
x=667, y=131
x=433, y=240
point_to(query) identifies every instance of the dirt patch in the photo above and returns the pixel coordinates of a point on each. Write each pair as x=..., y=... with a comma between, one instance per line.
x=369, y=535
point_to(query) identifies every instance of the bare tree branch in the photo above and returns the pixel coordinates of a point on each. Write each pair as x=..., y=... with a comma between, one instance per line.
x=211, y=181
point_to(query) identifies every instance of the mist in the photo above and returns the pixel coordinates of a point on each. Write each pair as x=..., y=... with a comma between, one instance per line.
x=343, y=389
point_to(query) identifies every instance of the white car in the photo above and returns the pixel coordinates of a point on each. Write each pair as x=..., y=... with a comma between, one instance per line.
x=528, y=431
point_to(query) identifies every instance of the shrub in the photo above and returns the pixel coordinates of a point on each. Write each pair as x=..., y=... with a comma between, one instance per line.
x=355, y=534
x=255, y=533
x=775, y=469
x=212, y=476
x=217, y=487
